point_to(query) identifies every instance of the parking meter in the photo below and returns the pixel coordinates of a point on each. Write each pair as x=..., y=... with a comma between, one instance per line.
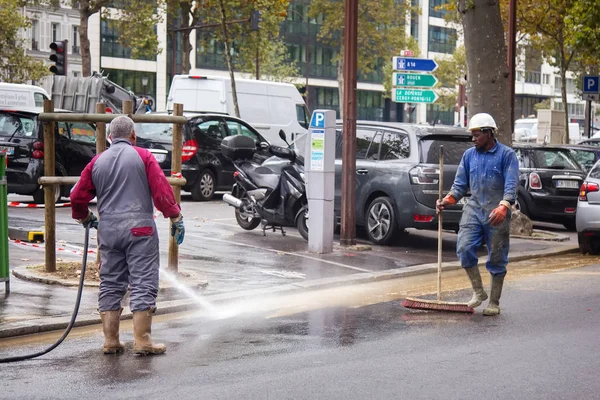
x=320, y=175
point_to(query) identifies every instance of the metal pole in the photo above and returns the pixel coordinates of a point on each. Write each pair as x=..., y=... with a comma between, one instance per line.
x=100, y=147
x=49, y=210
x=589, y=118
x=348, y=229
x=512, y=45
x=306, y=56
x=176, y=169
x=4, y=269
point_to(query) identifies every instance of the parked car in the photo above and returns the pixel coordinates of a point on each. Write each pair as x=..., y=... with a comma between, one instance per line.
x=397, y=175
x=585, y=155
x=588, y=213
x=549, y=183
x=594, y=141
x=203, y=165
x=22, y=137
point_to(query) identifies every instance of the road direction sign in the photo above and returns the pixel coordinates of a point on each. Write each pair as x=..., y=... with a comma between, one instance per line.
x=413, y=96
x=414, y=64
x=414, y=80
x=590, y=84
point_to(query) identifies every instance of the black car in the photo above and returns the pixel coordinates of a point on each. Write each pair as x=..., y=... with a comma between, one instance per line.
x=397, y=176
x=22, y=137
x=203, y=165
x=585, y=155
x=549, y=182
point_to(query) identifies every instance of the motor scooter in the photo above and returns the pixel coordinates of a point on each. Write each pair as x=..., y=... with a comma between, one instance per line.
x=271, y=194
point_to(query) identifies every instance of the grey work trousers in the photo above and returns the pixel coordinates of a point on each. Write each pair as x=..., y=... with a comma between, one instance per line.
x=128, y=245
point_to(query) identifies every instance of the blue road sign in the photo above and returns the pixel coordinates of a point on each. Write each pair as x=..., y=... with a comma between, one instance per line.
x=317, y=120
x=414, y=64
x=590, y=84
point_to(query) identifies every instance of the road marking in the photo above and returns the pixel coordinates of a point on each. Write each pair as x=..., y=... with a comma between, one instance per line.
x=283, y=252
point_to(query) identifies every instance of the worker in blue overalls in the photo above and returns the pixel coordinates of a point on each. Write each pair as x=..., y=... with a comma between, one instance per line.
x=490, y=171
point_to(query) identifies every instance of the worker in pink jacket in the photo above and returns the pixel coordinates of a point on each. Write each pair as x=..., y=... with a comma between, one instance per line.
x=127, y=180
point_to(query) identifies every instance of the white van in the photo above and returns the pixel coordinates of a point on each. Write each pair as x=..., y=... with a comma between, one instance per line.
x=22, y=96
x=268, y=106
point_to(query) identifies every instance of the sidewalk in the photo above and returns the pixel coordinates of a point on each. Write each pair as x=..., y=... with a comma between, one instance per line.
x=40, y=304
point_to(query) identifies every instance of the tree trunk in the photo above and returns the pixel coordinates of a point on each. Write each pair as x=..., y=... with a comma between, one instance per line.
x=228, y=58
x=563, y=94
x=86, y=56
x=340, y=79
x=487, y=72
x=186, y=46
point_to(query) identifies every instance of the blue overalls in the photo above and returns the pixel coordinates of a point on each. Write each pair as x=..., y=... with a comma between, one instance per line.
x=491, y=176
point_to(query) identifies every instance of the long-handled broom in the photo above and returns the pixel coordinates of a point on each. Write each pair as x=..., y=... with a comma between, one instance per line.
x=438, y=304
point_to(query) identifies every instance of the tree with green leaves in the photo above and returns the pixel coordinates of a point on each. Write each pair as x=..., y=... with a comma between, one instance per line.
x=15, y=65
x=450, y=73
x=249, y=46
x=381, y=32
x=548, y=29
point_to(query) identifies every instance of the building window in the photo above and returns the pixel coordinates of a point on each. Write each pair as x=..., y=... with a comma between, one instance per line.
x=439, y=115
x=533, y=77
x=414, y=20
x=35, y=34
x=110, y=47
x=75, y=41
x=435, y=9
x=55, y=32
x=546, y=79
x=442, y=40
x=134, y=80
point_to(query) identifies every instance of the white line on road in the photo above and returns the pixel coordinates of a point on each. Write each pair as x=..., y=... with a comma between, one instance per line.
x=281, y=252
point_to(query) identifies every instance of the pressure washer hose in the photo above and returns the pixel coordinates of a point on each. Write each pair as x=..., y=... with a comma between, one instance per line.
x=73, y=316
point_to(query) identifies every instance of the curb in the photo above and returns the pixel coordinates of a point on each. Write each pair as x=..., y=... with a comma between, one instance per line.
x=168, y=307
x=26, y=235
x=32, y=277
x=557, y=236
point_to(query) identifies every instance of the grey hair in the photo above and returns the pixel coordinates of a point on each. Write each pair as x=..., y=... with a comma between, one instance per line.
x=121, y=127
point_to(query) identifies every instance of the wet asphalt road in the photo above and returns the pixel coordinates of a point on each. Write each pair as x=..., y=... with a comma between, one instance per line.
x=543, y=346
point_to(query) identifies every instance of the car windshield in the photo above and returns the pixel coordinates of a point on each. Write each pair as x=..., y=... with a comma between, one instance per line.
x=14, y=125
x=154, y=131
x=554, y=159
x=454, y=148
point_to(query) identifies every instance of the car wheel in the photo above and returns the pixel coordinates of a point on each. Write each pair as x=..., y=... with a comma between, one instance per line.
x=381, y=221
x=522, y=207
x=38, y=195
x=204, y=189
x=588, y=244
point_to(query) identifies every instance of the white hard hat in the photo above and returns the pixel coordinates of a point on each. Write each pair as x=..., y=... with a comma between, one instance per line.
x=482, y=120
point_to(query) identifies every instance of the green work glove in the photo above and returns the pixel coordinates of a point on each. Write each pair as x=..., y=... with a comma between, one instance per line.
x=177, y=229
x=90, y=221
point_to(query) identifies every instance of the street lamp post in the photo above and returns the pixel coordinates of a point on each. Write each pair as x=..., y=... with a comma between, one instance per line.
x=145, y=83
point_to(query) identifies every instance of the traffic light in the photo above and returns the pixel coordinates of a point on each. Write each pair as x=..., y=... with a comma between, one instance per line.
x=255, y=20
x=59, y=57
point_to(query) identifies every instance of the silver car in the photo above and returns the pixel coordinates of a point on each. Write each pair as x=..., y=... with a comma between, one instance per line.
x=588, y=213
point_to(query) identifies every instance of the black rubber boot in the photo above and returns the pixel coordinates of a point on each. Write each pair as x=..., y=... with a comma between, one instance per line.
x=493, y=308
x=479, y=295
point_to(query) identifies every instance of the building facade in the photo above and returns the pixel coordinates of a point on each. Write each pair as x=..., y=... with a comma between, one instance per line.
x=536, y=81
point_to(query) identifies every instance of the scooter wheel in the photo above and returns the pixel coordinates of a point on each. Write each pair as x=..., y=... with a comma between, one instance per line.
x=245, y=222
x=302, y=225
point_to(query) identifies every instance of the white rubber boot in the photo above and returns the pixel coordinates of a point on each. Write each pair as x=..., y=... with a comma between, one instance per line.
x=479, y=295
x=110, y=326
x=142, y=328
x=493, y=308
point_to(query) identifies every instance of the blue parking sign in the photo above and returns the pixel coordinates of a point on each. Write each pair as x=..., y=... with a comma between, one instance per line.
x=590, y=84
